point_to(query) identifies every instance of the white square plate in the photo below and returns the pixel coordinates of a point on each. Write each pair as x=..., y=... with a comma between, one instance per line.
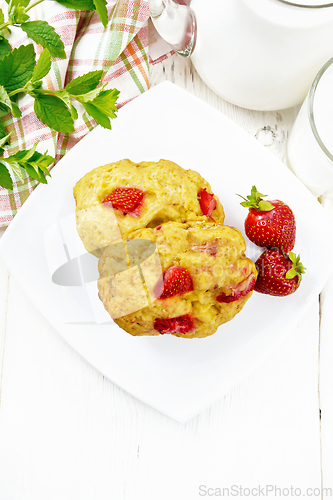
x=178, y=377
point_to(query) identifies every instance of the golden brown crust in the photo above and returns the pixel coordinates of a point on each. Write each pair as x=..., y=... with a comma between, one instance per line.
x=171, y=194
x=212, y=253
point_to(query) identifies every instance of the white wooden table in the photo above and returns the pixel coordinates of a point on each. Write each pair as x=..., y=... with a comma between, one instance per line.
x=67, y=433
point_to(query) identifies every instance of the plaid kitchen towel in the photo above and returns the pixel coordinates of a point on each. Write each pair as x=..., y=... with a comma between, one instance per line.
x=120, y=49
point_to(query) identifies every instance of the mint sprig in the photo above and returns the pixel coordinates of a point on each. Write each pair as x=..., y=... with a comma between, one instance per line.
x=34, y=163
x=40, y=31
x=19, y=73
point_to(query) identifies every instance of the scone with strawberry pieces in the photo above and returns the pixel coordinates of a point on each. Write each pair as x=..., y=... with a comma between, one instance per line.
x=120, y=197
x=193, y=278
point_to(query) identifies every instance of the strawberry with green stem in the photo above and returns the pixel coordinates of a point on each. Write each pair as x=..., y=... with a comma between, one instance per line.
x=278, y=274
x=269, y=223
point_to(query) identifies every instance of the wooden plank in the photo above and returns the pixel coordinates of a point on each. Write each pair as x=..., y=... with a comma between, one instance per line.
x=66, y=432
x=326, y=374
x=4, y=290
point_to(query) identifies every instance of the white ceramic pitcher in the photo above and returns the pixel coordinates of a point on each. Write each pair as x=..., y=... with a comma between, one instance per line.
x=258, y=54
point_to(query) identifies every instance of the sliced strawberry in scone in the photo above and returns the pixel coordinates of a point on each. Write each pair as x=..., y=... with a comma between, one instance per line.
x=176, y=281
x=126, y=199
x=180, y=324
x=243, y=288
x=210, y=247
x=207, y=203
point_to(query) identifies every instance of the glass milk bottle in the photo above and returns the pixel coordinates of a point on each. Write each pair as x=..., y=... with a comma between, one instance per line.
x=310, y=145
x=258, y=54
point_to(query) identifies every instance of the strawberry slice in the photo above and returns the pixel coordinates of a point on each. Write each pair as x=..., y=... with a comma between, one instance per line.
x=176, y=281
x=207, y=203
x=278, y=274
x=180, y=324
x=269, y=223
x=246, y=286
x=126, y=199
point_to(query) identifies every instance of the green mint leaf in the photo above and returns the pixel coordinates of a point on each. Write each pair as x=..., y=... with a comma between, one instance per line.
x=26, y=154
x=3, y=140
x=44, y=34
x=39, y=169
x=16, y=168
x=90, y=96
x=78, y=4
x=98, y=115
x=23, y=154
x=42, y=67
x=102, y=11
x=36, y=85
x=5, y=47
x=5, y=178
x=16, y=110
x=14, y=3
x=31, y=88
x=4, y=98
x=42, y=161
x=38, y=176
x=106, y=102
x=36, y=160
x=32, y=161
x=74, y=112
x=53, y=112
x=2, y=17
x=85, y=83
x=17, y=15
x=16, y=68
x=3, y=108
x=66, y=98
x=2, y=130
x=34, y=166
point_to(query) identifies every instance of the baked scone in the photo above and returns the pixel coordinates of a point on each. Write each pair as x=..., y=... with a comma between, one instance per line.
x=184, y=279
x=117, y=198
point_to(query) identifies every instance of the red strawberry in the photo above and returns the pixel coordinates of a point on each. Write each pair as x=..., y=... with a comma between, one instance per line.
x=278, y=274
x=243, y=288
x=126, y=199
x=180, y=324
x=207, y=203
x=176, y=281
x=269, y=223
